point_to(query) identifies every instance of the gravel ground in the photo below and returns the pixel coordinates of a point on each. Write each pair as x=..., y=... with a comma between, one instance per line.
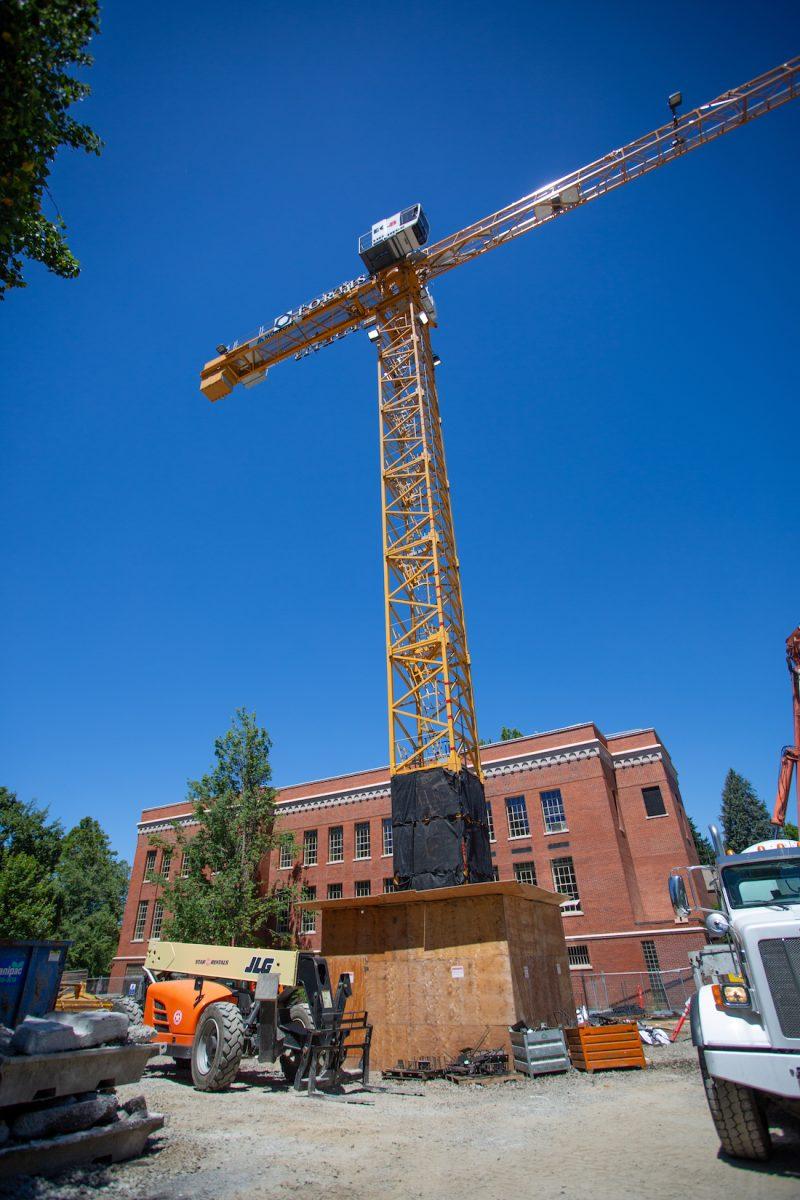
x=568, y=1137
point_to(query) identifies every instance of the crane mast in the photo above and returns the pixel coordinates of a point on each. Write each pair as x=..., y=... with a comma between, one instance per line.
x=431, y=706
x=432, y=724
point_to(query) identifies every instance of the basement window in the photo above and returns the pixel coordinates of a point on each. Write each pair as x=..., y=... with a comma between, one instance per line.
x=654, y=804
x=141, y=921
x=578, y=958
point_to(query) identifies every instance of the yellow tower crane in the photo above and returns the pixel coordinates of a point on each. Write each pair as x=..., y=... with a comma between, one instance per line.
x=432, y=722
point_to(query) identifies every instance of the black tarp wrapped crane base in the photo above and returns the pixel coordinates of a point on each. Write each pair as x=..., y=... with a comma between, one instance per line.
x=441, y=832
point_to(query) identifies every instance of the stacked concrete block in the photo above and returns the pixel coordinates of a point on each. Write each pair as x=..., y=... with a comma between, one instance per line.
x=58, y=1106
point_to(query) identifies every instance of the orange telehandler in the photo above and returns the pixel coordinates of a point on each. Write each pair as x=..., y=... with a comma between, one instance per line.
x=211, y=1006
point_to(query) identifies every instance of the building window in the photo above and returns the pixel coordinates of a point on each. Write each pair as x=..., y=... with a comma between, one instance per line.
x=158, y=919
x=334, y=891
x=495, y=875
x=389, y=885
x=149, y=865
x=362, y=840
x=517, y=817
x=363, y=887
x=282, y=910
x=336, y=844
x=654, y=804
x=166, y=862
x=553, y=811
x=141, y=921
x=525, y=872
x=286, y=857
x=310, y=848
x=578, y=956
x=657, y=989
x=308, y=921
x=490, y=821
x=388, y=837
x=564, y=881
x=184, y=865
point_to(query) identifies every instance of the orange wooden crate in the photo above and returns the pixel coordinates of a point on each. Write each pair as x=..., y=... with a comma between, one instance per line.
x=605, y=1047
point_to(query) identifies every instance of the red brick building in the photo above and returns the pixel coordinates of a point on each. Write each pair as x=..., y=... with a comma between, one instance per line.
x=597, y=818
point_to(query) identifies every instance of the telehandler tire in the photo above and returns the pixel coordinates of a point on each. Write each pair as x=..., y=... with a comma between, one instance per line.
x=217, y=1048
x=739, y=1121
x=299, y=1014
x=131, y=1008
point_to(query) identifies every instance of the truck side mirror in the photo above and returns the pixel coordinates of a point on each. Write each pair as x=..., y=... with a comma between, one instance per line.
x=717, y=924
x=678, y=897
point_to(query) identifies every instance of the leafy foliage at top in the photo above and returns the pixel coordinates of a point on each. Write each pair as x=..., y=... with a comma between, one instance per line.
x=57, y=885
x=39, y=41
x=744, y=817
x=219, y=901
x=508, y=734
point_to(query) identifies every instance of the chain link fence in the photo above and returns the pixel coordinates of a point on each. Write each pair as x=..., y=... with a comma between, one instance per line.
x=634, y=993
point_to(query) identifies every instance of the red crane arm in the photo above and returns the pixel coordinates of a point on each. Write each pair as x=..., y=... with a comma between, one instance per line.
x=671, y=141
x=790, y=757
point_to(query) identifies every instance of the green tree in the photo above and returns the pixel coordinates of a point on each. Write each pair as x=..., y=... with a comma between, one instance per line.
x=508, y=735
x=790, y=832
x=29, y=848
x=744, y=817
x=705, y=851
x=40, y=40
x=27, y=899
x=220, y=901
x=92, y=882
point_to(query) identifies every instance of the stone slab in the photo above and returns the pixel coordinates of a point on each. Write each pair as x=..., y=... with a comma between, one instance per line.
x=94, y=1028
x=26, y=1078
x=66, y=1116
x=43, y=1035
x=103, y=1144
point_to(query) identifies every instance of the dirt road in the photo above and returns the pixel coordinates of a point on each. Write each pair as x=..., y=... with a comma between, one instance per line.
x=574, y=1137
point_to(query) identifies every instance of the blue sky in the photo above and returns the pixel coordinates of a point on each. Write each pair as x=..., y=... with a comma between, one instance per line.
x=619, y=392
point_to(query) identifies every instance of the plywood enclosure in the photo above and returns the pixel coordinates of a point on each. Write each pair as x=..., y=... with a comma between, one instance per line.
x=435, y=969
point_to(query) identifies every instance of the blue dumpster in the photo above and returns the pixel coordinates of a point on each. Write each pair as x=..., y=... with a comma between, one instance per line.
x=30, y=974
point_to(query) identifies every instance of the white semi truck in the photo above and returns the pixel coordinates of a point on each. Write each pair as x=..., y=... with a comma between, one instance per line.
x=746, y=1025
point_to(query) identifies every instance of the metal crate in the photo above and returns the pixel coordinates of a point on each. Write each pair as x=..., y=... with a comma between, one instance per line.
x=539, y=1051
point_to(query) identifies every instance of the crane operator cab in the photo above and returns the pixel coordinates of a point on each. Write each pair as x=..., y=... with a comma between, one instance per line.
x=393, y=239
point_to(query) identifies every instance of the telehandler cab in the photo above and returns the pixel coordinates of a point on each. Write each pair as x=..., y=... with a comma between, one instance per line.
x=211, y=1006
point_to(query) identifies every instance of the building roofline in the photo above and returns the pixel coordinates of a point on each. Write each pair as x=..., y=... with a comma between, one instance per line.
x=383, y=770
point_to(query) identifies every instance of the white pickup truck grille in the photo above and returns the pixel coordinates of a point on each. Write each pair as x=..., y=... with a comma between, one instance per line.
x=781, y=961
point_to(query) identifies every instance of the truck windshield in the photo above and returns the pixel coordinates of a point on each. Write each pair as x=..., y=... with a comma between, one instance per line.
x=751, y=885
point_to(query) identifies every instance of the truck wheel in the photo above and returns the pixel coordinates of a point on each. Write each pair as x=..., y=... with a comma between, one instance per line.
x=299, y=1014
x=132, y=1010
x=217, y=1048
x=739, y=1121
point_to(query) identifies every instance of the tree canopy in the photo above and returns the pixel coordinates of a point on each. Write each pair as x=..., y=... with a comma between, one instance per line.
x=744, y=816
x=40, y=40
x=219, y=899
x=705, y=851
x=60, y=886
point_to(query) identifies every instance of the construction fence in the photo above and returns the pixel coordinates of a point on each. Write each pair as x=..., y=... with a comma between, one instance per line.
x=634, y=993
